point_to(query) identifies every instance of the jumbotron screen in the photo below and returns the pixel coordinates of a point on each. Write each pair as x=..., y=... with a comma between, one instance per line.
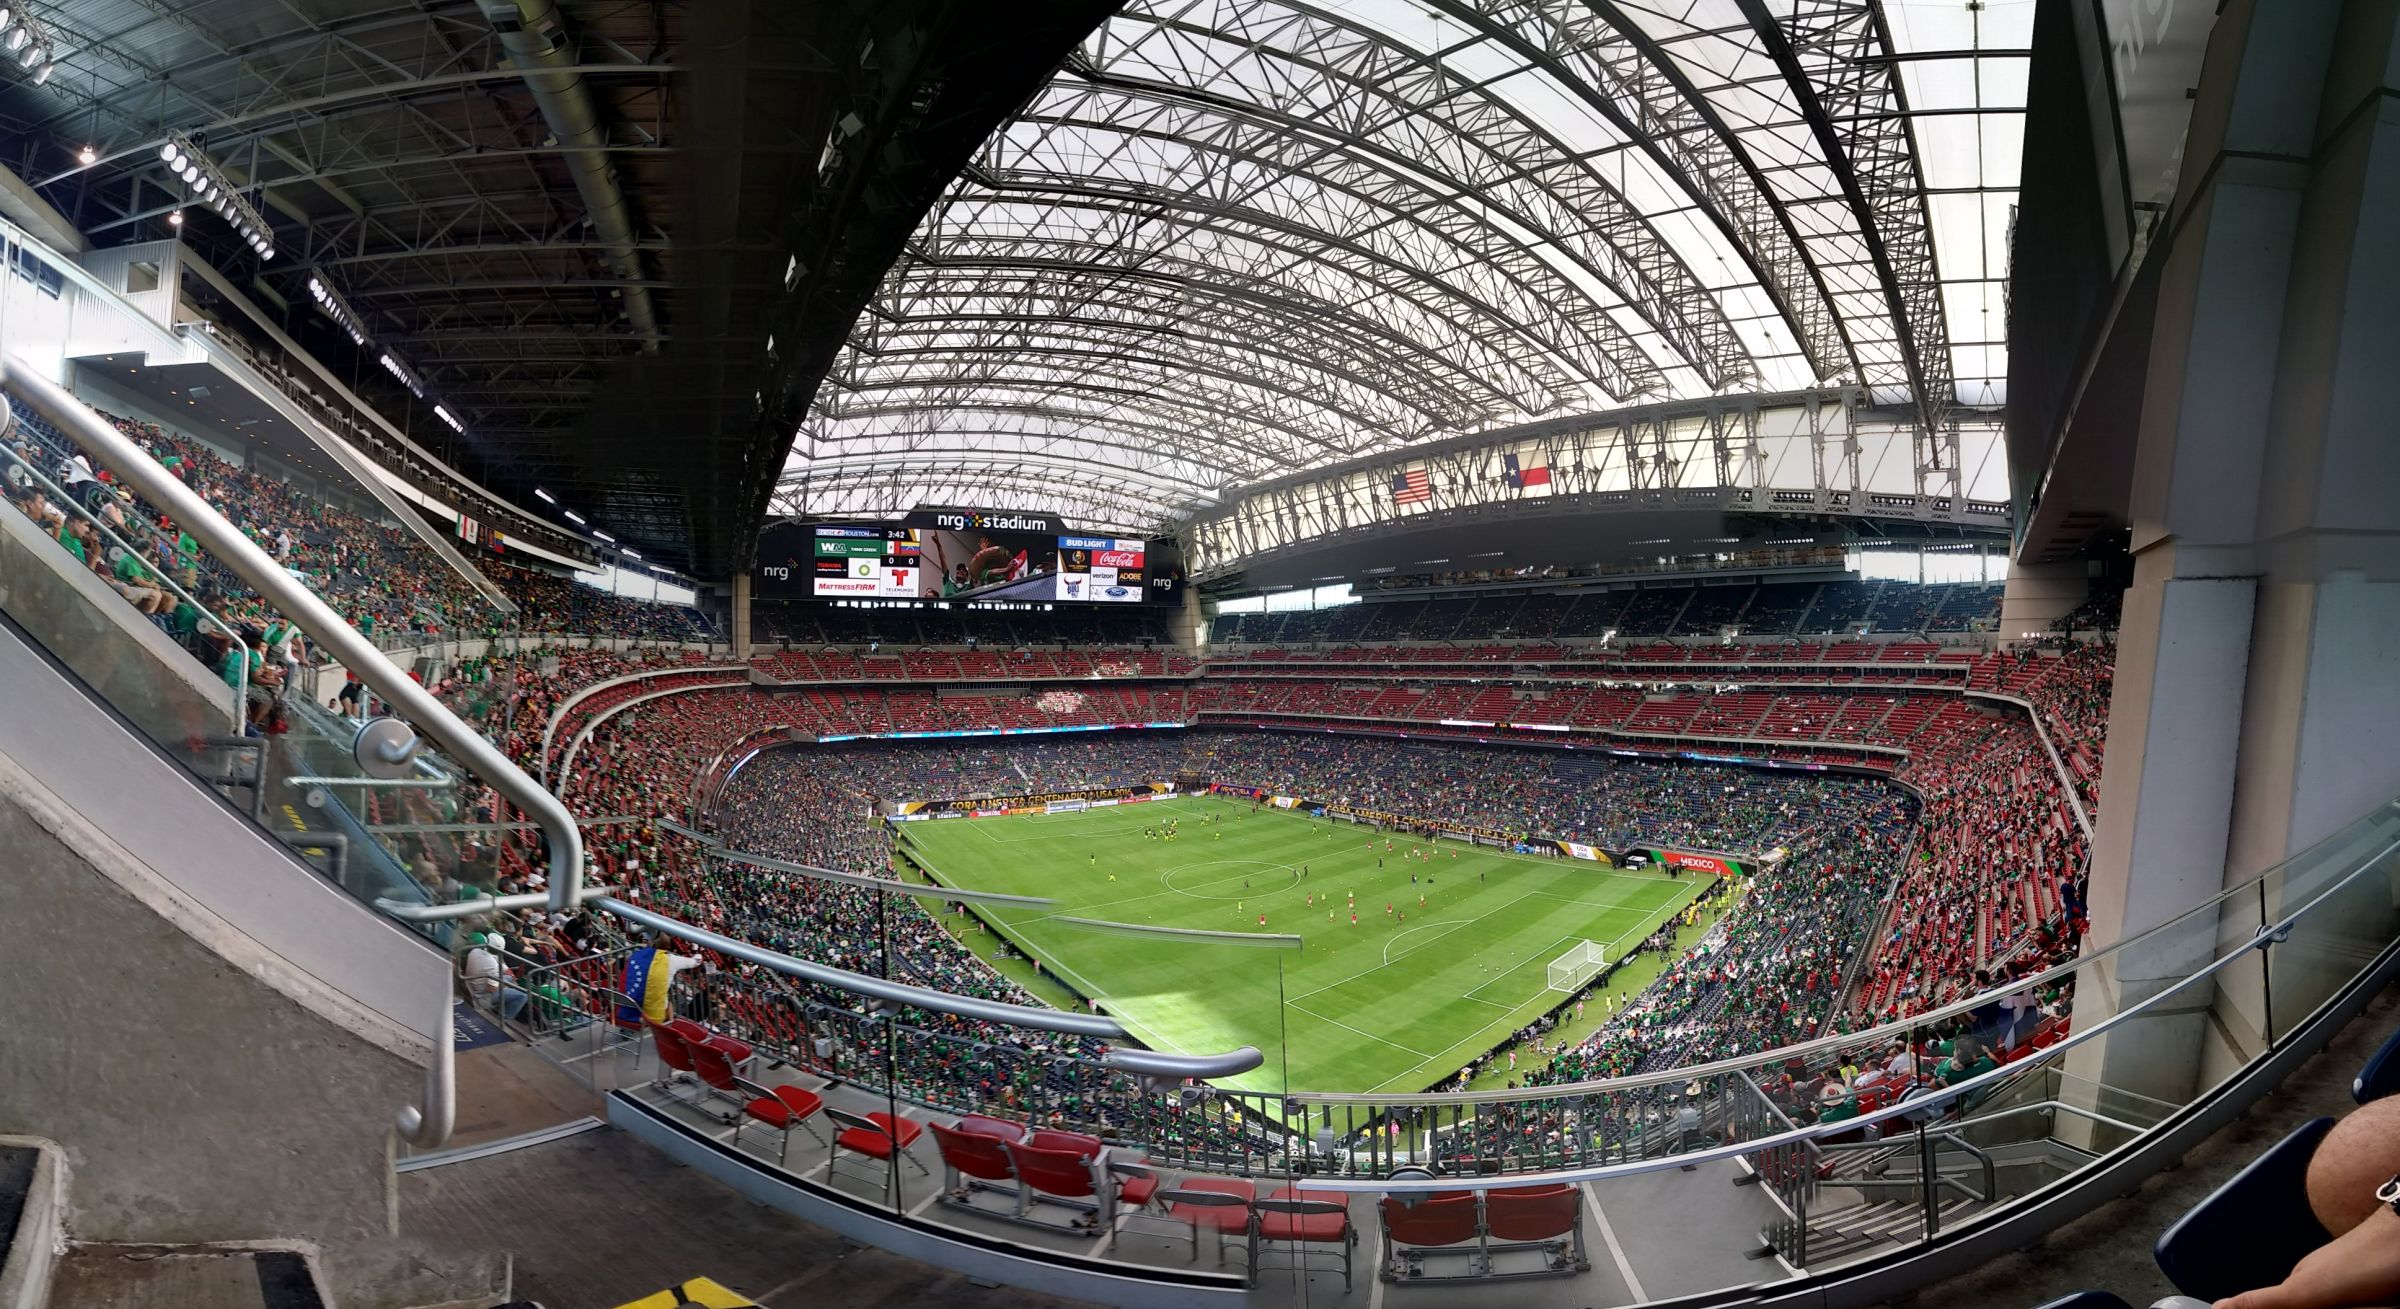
x=962, y=555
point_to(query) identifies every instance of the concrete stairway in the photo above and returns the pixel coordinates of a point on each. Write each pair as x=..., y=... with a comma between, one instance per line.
x=40, y=1268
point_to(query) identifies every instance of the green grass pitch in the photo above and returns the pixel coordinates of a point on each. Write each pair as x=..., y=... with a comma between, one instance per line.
x=1380, y=1006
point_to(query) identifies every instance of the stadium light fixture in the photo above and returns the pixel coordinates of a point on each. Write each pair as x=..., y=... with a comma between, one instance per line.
x=175, y=218
x=406, y=376
x=573, y=517
x=8, y=18
x=630, y=552
x=87, y=156
x=604, y=536
x=543, y=496
x=331, y=304
x=446, y=416
x=41, y=76
x=210, y=184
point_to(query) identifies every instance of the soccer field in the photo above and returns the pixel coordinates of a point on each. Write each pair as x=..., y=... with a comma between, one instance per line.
x=1382, y=1005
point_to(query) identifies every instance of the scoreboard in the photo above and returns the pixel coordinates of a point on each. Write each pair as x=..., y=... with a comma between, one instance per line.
x=962, y=555
x=866, y=561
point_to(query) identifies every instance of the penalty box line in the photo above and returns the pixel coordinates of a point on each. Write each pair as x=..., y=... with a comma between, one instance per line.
x=1495, y=910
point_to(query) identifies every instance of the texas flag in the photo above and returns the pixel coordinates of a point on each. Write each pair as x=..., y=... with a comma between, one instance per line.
x=1523, y=470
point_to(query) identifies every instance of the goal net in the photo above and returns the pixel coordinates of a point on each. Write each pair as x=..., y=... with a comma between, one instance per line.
x=1579, y=965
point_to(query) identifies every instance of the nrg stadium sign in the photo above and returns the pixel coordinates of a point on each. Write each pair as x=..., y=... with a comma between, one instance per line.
x=983, y=520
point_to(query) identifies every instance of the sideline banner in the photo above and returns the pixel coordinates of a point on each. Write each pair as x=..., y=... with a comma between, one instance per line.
x=1706, y=863
x=1578, y=850
x=1036, y=802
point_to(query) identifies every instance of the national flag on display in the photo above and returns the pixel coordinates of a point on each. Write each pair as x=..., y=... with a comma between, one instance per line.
x=1526, y=470
x=1410, y=487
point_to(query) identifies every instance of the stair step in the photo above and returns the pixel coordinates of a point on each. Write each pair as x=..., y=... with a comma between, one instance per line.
x=32, y=1211
x=184, y=1277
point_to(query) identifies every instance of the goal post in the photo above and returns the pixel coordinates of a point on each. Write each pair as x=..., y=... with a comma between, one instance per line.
x=1576, y=968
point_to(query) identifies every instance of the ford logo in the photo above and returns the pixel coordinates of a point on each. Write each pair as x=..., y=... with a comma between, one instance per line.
x=1117, y=591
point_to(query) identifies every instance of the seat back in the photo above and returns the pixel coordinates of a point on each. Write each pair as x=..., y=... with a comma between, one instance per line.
x=673, y=1051
x=1441, y=1218
x=973, y=1153
x=1305, y=1220
x=2381, y=1075
x=997, y=1128
x=2253, y=1229
x=1051, y=1172
x=1046, y=1138
x=713, y=1064
x=1175, y=1195
x=1532, y=1213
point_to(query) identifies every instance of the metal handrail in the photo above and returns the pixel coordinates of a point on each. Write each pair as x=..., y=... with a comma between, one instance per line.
x=1153, y=1063
x=69, y=504
x=430, y=1127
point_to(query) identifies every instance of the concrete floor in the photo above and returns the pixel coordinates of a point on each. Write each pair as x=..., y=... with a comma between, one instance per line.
x=182, y=1277
x=600, y=1219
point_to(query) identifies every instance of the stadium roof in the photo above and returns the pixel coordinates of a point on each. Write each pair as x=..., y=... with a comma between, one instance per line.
x=582, y=223
x=1234, y=240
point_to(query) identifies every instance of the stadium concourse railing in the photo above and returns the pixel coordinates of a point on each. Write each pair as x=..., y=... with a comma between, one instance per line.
x=337, y=772
x=2124, y=1058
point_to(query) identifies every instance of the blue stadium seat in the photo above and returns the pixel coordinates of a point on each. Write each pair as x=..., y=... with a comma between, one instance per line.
x=2086, y=1300
x=2249, y=1232
x=2381, y=1074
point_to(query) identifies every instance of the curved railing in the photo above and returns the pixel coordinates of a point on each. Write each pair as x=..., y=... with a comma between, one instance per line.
x=2140, y=1048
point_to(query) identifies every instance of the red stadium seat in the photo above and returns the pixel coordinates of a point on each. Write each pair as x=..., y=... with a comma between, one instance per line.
x=782, y=1108
x=879, y=1136
x=674, y=1055
x=1417, y=1224
x=978, y=1156
x=1301, y=1218
x=1544, y=1218
x=1215, y=1204
x=1063, y=1176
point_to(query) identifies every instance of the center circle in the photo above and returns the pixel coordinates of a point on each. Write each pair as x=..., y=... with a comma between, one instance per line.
x=1225, y=881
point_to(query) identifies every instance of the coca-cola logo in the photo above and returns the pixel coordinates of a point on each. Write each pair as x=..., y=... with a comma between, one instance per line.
x=1117, y=558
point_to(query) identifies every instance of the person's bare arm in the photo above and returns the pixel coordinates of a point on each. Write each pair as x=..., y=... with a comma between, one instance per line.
x=2357, y=1270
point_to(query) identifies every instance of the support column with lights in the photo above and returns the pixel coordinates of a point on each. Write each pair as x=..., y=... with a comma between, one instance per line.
x=2253, y=709
x=739, y=620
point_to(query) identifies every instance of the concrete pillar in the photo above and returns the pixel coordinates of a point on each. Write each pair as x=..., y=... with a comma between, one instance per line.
x=740, y=616
x=2255, y=700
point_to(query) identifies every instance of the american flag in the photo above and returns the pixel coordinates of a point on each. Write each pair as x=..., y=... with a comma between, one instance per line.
x=1409, y=487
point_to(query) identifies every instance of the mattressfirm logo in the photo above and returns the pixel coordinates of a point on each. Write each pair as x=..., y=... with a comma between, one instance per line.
x=992, y=522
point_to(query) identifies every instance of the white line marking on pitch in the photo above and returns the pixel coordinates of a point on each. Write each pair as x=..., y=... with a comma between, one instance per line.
x=1369, y=1035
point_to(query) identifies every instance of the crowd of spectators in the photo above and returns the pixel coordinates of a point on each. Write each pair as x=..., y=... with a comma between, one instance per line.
x=1847, y=608
x=379, y=575
x=1998, y=880
x=1614, y=803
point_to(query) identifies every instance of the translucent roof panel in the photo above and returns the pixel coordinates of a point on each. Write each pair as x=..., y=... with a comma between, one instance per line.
x=1237, y=239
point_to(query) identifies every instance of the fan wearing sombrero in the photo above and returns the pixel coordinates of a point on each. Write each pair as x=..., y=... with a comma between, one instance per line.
x=1835, y=1103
